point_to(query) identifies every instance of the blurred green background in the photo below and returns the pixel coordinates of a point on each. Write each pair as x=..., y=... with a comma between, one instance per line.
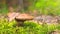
x=42, y=6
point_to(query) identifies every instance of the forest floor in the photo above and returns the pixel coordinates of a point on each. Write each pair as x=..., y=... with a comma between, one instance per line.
x=50, y=25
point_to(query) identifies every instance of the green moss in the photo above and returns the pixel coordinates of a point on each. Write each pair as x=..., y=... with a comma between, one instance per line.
x=28, y=28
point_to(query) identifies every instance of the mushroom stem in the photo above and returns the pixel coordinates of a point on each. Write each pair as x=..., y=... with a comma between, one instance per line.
x=20, y=22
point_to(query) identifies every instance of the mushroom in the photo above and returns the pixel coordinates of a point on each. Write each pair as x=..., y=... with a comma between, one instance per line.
x=23, y=17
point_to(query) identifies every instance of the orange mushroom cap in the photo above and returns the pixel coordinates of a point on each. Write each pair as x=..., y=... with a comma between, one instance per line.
x=24, y=17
